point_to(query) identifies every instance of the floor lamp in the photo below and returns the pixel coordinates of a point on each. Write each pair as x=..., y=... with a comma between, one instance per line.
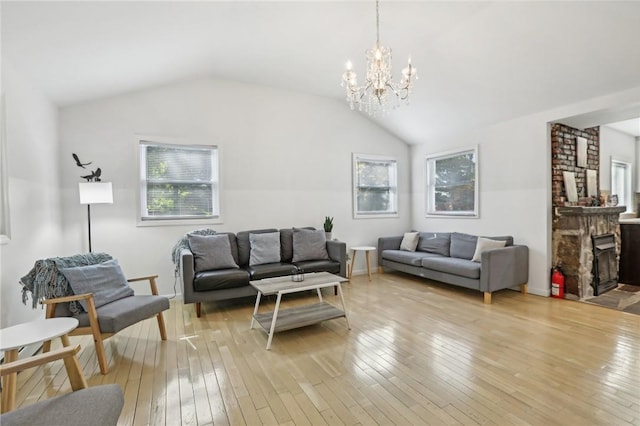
x=95, y=193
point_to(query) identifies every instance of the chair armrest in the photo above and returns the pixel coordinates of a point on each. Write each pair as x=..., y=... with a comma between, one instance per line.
x=504, y=268
x=388, y=243
x=152, y=282
x=34, y=361
x=187, y=273
x=337, y=251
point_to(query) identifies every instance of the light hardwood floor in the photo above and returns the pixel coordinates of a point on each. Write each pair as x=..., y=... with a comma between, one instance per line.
x=418, y=353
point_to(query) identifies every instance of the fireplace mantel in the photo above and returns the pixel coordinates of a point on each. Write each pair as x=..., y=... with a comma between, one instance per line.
x=580, y=211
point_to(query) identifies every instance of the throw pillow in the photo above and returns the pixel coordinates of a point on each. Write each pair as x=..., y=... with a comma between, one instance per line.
x=105, y=280
x=309, y=245
x=485, y=244
x=211, y=252
x=410, y=241
x=265, y=248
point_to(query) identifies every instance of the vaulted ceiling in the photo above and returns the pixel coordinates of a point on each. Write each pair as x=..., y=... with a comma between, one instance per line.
x=478, y=62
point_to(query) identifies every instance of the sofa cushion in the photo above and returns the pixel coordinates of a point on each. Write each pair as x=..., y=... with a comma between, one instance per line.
x=453, y=265
x=211, y=252
x=244, y=245
x=486, y=244
x=220, y=279
x=463, y=245
x=435, y=242
x=265, y=248
x=122, y=313
x=309, y=245
x=270, y=270
x=105, y=280
x=410, y=241
x=330, y=266
x=286, y=243
x=407, y=257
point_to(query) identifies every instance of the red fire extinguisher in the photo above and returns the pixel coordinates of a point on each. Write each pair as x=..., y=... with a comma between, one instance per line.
x=557, y=283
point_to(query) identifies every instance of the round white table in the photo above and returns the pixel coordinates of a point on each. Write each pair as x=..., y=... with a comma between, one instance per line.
x=366, y=250
x=14, y=337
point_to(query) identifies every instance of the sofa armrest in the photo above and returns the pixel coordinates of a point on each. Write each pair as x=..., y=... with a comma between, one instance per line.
x=504, y=268
x=187, y=273
x=337, y=251
x=388, y=243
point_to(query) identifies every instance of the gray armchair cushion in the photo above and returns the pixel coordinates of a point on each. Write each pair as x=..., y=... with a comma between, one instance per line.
x=105, y=280
x=309, y=245
x=265, y=248
x=97, y=405
x=122, y=313
x=211, y=252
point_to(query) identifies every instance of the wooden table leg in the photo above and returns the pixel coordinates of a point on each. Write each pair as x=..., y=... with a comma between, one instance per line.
x=9, y=384
x=353, y=260
x=366, y=255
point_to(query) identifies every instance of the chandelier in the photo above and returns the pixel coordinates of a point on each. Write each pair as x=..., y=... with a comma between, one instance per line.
x=373, y=96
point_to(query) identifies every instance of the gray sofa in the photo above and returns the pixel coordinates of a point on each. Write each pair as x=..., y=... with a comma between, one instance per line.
x=446, y=257
x=230, y=283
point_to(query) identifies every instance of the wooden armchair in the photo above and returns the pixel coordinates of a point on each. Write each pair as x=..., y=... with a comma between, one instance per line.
x=83, y=406
x=107, y=320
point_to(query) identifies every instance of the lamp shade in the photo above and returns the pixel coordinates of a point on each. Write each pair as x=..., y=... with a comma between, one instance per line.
x=96, y=193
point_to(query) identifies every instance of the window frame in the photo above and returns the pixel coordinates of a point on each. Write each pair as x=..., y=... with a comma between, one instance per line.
x=142, y=182
x=627, y=199
x=357, y=214
x=430, y=169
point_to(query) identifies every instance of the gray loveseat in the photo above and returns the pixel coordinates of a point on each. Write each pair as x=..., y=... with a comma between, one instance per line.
x=221, y=283
x=447, y=257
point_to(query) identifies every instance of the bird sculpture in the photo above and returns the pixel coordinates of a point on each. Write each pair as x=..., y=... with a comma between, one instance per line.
x=94, y=176
x=80, y=163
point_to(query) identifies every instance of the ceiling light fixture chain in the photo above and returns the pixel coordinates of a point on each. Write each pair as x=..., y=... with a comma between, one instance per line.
x=373, y=97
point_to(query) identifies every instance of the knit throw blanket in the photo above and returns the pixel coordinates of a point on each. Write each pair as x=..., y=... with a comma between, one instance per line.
x=183, y=243
x=45, y=281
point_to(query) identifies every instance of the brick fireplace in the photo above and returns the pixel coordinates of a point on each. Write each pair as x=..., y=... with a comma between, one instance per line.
x=575, y=225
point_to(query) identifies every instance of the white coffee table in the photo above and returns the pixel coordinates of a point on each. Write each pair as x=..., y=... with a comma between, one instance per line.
x=366, y=250
x=299, y=316
x=14, y=337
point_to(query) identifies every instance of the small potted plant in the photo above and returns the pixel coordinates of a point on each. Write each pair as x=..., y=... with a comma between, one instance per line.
x=328, y=227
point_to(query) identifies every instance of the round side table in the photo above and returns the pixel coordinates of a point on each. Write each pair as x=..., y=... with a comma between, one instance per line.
x=14, y=337
x=366, y=250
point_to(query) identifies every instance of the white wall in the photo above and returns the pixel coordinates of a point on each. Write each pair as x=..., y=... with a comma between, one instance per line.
x=285, y=161
x=515, y=181
x=621, y=147
x=33, y=169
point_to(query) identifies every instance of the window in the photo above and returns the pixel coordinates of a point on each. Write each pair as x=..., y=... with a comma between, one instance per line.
x=178, y=182
x=375, y=186
x=621, y=183
x=452, y=183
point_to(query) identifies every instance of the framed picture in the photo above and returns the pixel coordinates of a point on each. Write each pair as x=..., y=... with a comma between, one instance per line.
x=452, y=183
